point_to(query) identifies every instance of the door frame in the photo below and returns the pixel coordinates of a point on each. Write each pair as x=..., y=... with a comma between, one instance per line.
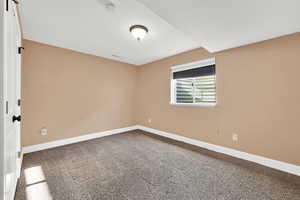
x=3, y=12
x=2, y=109
x=18, y=93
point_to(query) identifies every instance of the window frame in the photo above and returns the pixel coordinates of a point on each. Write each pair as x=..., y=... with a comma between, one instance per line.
x=193, y=65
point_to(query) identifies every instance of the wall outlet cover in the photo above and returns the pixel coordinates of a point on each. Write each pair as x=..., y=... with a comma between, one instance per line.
x=44, y=131
x=235, y=137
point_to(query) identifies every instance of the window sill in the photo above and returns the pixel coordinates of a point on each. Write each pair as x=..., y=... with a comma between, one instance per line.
x=195, y=104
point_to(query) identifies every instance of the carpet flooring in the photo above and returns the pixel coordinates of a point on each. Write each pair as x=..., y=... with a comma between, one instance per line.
x=137, y=166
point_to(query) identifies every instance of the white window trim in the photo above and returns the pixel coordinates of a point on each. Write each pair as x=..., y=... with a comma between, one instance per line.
x=193, y=65
x=194, y=104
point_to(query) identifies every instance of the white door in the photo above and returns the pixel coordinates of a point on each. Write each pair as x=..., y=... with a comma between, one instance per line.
x=18, y=45
x=12, y=71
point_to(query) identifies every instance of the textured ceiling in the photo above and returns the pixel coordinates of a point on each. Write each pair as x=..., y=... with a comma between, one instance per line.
x=175, y=25
x=217, y=25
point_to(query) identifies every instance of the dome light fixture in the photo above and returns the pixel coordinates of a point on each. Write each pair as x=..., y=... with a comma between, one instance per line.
x=139, y=32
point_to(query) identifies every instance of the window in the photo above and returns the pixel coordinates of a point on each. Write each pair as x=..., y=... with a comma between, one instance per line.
x=194, y=83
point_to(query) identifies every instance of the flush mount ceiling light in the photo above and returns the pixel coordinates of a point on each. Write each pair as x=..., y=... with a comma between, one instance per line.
x=138, y=31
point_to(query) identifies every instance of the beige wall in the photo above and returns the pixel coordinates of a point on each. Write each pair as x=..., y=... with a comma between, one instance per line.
x=258, y=98
x=72, y=94
x=257, y=92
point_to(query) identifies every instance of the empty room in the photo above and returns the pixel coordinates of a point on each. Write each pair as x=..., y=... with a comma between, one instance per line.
x=149, y=100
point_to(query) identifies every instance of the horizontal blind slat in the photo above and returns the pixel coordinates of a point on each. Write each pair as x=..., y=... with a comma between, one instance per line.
x=196, y=90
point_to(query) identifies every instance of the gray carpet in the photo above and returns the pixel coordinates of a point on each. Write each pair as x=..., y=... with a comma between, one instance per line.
x=136, y=166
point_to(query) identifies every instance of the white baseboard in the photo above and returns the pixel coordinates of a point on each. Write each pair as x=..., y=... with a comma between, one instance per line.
x=57, y=143
x=282, y=166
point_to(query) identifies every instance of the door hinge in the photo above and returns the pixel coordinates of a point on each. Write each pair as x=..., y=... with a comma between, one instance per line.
x=20, y=50
x=19, y=102
x=6, y=5
x=19, y=154
x=6, y=107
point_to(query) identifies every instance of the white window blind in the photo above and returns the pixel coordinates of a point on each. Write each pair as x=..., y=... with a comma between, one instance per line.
x=194, y=83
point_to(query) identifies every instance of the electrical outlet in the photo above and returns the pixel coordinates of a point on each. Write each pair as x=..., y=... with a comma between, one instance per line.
x=149, y=120
x=218, y=131
x=44, y=131
x=235, y=137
